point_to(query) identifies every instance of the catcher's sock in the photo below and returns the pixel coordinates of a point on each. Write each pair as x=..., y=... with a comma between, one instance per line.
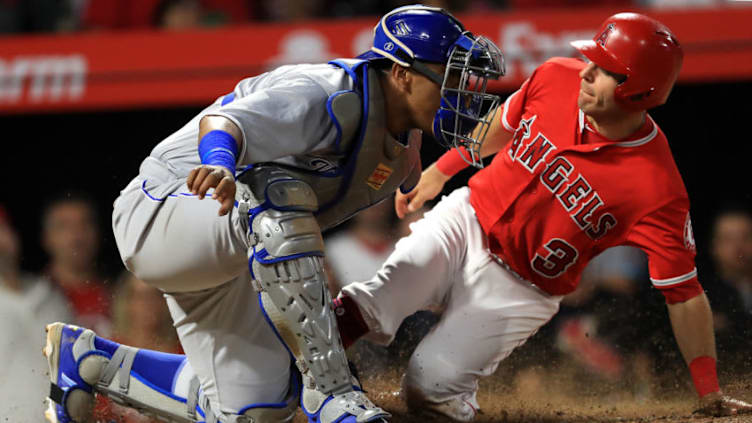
x=162, y=371
x=349, y=320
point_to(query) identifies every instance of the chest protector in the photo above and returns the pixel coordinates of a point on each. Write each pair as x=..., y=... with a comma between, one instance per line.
x=373, y=164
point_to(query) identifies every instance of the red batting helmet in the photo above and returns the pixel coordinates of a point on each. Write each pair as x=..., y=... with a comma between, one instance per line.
x=641, y=48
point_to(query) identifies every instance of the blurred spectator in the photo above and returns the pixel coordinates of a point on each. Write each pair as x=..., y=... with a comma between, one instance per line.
x=348, y=8
x=618, y=270
x=171, y=14
x=44, y=301
x=140, y=319
x=230, y=12
x=541, y=4
x=27, y=304
x=118, y=14
x=70, y=236
x=681, y=4
x=356, y=253
x=729, y=288
x=18, y=16
x=182, y=14
x=178, y=14
x=292, y=10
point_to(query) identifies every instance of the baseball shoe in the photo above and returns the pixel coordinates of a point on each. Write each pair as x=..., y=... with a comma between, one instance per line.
x=455, y=410
x=71, y=396
x=348, y=407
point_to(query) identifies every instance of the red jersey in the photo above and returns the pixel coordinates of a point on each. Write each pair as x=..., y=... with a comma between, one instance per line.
x=561, y=193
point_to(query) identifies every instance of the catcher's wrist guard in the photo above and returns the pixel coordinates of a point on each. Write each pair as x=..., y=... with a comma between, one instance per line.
x=219, y=148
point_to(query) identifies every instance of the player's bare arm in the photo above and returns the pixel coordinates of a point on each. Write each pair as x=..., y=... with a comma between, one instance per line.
x=497, y=137
x=221, y=178
x=432, y=180
x=692, y=322
x=430, y=185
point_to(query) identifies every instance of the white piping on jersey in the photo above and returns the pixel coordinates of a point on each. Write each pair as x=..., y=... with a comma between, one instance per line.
x=676, y=280
x=504, y=121
x=635, y=143
x=644, y=140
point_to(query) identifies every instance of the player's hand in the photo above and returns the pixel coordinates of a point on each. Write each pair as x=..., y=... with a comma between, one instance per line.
x=716, y=404
x=220, y=178
x=431, y=183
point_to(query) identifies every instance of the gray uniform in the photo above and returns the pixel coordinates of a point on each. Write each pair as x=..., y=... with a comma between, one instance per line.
x=170, y=239
x=281, y=116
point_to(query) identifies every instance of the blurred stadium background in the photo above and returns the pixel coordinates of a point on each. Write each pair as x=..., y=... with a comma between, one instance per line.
x=88, y=87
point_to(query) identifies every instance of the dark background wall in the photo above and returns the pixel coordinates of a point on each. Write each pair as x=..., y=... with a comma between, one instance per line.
x=100, y=152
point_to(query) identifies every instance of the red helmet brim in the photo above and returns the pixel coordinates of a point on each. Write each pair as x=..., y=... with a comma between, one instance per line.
x=599, y=56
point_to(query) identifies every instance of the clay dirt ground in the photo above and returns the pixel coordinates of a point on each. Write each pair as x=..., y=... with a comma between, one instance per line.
x=560, y=399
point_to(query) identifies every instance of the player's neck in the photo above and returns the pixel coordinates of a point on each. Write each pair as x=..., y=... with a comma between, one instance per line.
x=618, y=126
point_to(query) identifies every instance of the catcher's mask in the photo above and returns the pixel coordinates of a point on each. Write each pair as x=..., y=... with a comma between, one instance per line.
x=413, y=35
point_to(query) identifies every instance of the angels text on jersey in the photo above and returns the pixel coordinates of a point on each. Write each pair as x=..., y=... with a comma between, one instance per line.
x=571, y=189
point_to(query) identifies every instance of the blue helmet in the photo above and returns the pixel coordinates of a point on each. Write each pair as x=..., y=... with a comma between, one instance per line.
x=415, y=32
x=413, y=35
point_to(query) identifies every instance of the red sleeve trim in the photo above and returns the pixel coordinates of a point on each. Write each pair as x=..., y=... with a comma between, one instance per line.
x=665, y=283
x=682, y=292
x=504, y=119
x=451, y=163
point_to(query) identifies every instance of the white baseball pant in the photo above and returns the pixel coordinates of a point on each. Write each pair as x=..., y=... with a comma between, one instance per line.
x=487, y=310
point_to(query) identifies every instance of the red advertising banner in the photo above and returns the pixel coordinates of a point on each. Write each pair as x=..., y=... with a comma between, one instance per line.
x=94, y=71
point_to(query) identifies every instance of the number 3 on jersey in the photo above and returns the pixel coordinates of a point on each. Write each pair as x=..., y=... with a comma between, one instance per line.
x=560, y=256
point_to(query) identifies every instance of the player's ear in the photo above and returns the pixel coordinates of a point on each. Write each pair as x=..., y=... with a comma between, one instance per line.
x=401, y=76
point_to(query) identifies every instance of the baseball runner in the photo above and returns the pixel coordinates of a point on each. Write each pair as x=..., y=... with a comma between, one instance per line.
x=243, y=275
x=581, y=167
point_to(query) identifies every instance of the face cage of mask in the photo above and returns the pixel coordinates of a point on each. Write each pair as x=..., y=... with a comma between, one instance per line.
x=467, y=110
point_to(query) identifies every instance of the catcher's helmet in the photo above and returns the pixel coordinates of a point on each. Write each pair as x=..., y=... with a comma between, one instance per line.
x=415, y=32
x=412, y=35
x=641, y=48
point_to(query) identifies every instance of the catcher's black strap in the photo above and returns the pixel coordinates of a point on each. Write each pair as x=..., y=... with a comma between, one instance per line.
x=56, y=394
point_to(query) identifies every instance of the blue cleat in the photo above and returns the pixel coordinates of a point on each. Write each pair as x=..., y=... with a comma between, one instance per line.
x=71, y=397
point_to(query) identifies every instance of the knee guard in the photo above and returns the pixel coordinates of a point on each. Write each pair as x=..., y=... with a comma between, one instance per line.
x=286, y=262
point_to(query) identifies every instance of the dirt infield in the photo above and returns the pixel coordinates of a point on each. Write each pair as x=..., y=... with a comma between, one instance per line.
x=560, y=400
